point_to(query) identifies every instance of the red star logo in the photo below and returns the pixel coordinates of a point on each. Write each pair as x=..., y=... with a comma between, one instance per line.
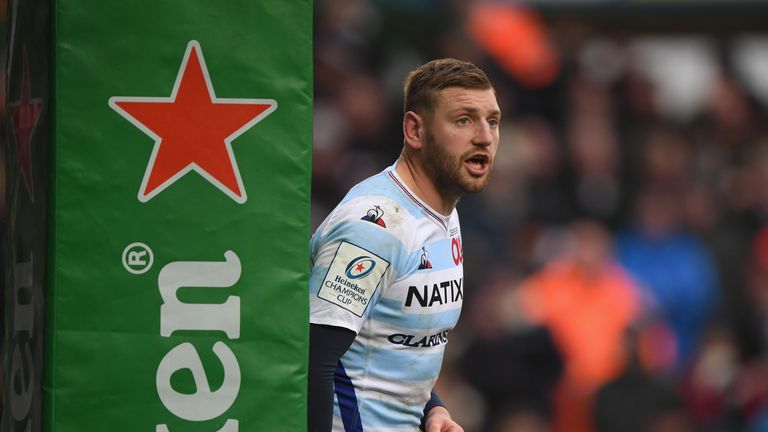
x=193, y=129
x=24, y=115
x=359, y=267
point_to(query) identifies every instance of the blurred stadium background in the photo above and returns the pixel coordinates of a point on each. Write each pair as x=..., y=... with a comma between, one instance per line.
x=617, y=264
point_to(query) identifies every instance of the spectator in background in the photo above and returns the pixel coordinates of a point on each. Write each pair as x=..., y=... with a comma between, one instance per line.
x=522, y=355
x=638, y=401
x=726, y=387
x=757, y=289
x=593, y=147
x=588, y=302
x=674, y=269
x=722, y=392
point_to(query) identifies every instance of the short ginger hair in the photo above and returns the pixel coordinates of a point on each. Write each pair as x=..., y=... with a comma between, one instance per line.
x=422, y=84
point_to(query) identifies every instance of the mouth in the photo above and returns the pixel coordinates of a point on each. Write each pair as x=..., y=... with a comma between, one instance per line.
x=478, y=164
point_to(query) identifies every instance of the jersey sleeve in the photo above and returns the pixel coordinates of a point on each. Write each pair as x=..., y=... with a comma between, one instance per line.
x=354, y=259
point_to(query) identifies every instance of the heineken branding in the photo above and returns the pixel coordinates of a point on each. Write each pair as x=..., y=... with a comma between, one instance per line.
x=152, y=285
x=192, y=114
x=22, y=362
x=176, y=315
x=24, y=230
x=24, y=115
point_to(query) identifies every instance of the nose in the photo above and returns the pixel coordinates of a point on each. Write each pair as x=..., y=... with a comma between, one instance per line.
x=483, y=134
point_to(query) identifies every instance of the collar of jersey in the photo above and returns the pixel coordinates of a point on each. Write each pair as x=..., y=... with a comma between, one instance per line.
x=429, y=211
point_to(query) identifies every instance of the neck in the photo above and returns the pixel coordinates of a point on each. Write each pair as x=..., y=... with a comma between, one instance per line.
x=413, y=174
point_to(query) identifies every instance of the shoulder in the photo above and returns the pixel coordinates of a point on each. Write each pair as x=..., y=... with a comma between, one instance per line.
x=374, y=205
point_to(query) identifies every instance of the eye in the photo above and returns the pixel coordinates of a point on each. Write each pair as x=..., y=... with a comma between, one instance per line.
x=494, y=123
x=462, y=121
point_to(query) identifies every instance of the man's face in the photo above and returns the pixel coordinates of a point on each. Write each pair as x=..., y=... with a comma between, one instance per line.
x=461, y=139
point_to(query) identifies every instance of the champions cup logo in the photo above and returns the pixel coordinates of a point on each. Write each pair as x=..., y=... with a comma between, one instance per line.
x=360, y=267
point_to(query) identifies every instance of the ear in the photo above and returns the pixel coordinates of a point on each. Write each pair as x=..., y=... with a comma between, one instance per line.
x=413, y=130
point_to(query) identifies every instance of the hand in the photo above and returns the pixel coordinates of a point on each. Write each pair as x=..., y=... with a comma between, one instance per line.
x=439, y=420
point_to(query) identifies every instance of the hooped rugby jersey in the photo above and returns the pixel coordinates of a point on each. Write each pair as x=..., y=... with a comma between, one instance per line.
x=388, y=267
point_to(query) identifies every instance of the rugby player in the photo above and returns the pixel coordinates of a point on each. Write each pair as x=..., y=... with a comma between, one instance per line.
x=386, y=286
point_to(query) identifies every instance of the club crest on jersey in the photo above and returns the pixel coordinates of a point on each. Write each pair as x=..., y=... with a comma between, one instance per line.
x=424, y=260
x=374, y=215
x=360, y=267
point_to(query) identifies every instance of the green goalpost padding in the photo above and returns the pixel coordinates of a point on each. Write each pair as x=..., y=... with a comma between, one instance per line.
x=158, y=180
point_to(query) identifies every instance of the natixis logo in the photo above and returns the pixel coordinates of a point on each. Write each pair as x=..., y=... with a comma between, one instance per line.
x=360, y=267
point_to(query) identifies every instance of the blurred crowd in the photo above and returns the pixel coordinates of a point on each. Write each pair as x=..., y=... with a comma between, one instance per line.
x=617, y=264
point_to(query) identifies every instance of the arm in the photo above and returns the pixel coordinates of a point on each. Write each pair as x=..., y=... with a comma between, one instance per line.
x=326, y=346
x=437, y=418
x=335, y=317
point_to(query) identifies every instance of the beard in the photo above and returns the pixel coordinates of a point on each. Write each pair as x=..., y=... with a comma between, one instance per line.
x=447, y=171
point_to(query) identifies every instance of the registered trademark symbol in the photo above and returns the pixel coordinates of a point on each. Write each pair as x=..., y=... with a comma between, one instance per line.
x=137, y=258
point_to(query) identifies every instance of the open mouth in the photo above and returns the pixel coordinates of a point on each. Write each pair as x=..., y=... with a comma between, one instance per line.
x=477, y=164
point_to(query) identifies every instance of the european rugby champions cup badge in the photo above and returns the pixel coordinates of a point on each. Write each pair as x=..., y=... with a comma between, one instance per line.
x=352, y=278
x=193, y=129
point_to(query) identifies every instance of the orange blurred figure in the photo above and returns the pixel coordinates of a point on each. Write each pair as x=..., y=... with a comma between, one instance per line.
x=516, y=38
x=588, y=302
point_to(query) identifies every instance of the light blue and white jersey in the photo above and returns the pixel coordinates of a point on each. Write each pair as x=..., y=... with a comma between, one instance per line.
x=388, y=267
